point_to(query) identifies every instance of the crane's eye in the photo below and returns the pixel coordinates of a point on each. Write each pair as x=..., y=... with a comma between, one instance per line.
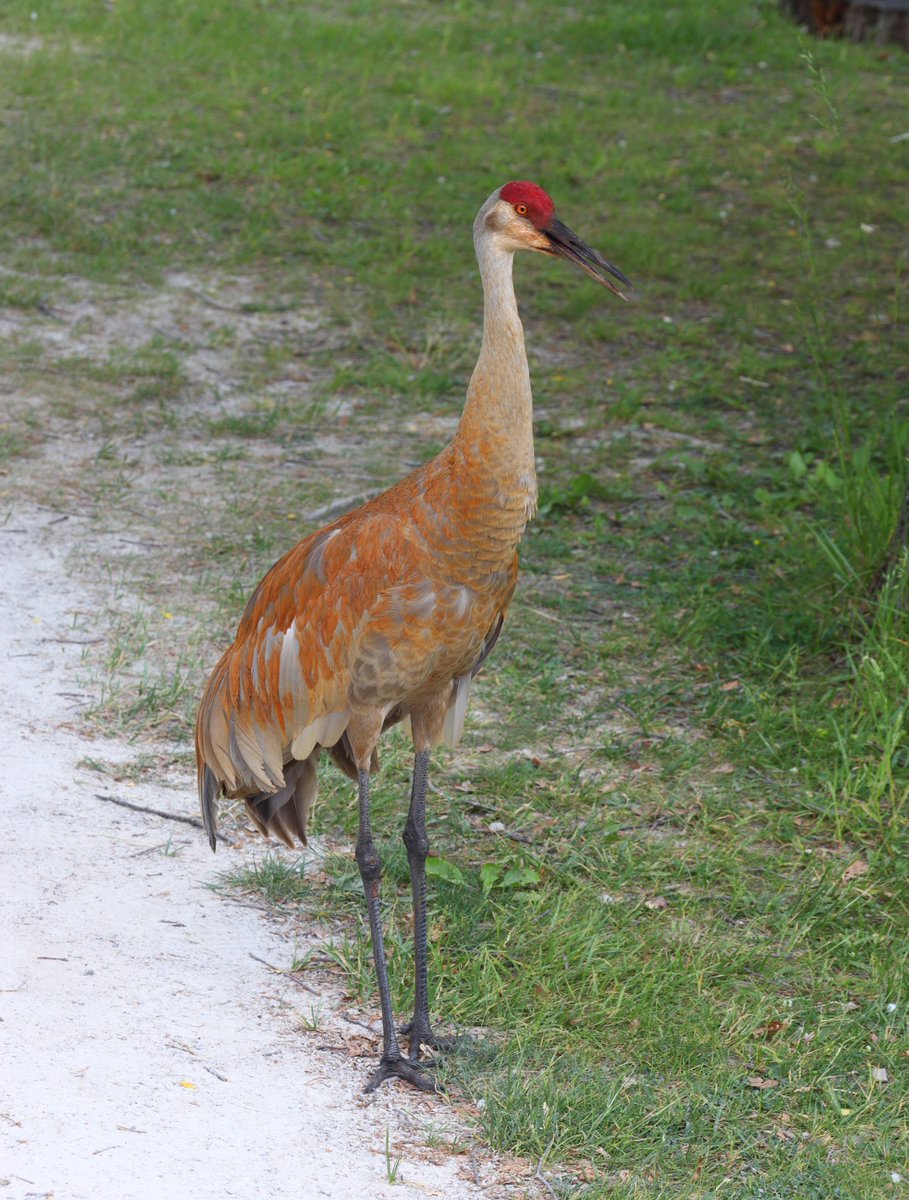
x=521, y=210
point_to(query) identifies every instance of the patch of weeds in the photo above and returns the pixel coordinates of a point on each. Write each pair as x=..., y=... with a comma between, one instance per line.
x=277, y=879
x=26, y=294
x=573, y=496
x=313, y=1023
x=260, y=423
x=11, y=444
x=139, y=696
x=388, y=374
x=140, y=768
x=865, y=788
x=438, y=1136
x=392, y=1162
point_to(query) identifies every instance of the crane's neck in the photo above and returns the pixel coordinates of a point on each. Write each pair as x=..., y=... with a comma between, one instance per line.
x=494, y=441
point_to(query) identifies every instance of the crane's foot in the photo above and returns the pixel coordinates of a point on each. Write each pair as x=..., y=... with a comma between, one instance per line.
x=423, y=1036
x=401, y=1068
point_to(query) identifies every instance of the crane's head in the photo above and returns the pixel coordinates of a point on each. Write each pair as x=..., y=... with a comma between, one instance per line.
x=522, y=217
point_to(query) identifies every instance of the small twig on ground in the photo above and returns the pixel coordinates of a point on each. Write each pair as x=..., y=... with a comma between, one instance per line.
x=546, y=1184
x=212, y=303
x=538, y=1174
x=157, y=812
x=177, y=1045
x=363, y=1025
x=45, y=308
x=264, y=908
x=74, y=641
x=288, y=974
x=541, y=612
x=519, y=837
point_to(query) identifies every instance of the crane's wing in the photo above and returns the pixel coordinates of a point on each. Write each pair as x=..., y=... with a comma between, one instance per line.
x=350, y=614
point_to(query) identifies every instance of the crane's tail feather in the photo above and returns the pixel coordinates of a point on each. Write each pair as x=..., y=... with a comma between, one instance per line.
x=209, y=791
x=285, y=812
x=456, y=715
x=457, y=711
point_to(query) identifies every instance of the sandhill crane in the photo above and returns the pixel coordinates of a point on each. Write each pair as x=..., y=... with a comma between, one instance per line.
x=388, y=613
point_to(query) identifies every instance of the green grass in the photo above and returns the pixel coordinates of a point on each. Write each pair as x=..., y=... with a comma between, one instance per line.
x=678, y=820
x=278, y=881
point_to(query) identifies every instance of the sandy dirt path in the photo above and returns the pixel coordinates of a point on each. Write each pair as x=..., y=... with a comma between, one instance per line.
x=143, y=1053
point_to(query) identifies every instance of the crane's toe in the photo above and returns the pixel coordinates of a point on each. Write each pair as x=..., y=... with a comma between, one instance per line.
x=401, y=1068
x=423, y=1037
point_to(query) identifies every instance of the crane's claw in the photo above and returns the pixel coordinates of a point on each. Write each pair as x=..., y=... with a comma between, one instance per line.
x=402, y=1068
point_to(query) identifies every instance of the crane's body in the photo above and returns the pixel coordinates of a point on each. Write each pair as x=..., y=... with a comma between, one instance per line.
x=386, y=614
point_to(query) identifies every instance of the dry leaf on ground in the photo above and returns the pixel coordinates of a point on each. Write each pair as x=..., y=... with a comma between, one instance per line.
x=855, y=870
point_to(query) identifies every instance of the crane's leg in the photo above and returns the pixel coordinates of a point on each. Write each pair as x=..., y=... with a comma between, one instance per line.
x=393, y=1061
x=417, y=843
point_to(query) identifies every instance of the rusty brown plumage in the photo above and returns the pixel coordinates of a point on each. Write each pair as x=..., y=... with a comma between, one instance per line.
x=387, y=609
x=387, y=614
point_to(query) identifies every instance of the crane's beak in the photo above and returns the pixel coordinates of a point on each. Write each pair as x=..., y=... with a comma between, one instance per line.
x=565, y=244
